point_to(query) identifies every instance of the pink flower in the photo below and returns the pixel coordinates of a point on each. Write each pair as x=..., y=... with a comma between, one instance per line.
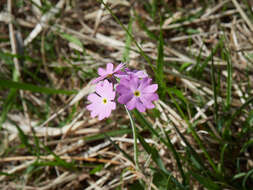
x=102, y=102
x=136, y=93
x=108, y=72
x=134, y=73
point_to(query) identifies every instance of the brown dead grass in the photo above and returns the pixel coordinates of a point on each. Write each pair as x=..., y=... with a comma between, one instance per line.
x=104, y=41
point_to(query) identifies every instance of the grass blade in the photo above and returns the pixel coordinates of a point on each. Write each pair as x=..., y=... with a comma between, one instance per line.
x=229, y=80
x=119, y=149
x=246, y=178
x=10, y=100
x=126, y=52
x=159, y=68
x=150, y=34
x=58, y=161
x=177, y=157
x=125, y=29
x=144, y=122
x=215, y=97
x=206, y=182
x=237, y=112
x=33, y=88
x=110, y=134
x=154, y=154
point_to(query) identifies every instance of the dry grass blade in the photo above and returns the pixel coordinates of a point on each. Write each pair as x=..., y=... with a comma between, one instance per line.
x=44, y=19
x=243, y=14
x=204, y=52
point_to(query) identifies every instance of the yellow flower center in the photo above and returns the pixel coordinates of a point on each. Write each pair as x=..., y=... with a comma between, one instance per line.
x=104, y=101
x=137, y=93
x=109, y=76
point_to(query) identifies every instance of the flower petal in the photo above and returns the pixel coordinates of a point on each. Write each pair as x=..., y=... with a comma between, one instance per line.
x=120, y=74
x=101, y=71
x=111, y=95
x=144, y=83
x=151, y=97
x=108, y=90
x=101, y=116
x=125, y=81
x=121, y=89
x=108, y=108
x=98, y=79
x=123, y=99
x=109, y=68
x=119, y=67
x=107, y=111
x=112, y=105
x=94, y=107
x=148, y=104
x=94, y=98
x=140, y=107
x=133, y=83
x=150, y=89
x=141, y=74
x=99, y=88
x=93, y=114
x=132, y=103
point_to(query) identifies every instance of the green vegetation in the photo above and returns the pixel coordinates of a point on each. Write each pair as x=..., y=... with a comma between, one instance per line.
x=199, y=136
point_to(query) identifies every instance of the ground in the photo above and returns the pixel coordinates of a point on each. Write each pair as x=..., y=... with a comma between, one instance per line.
x=198, y=136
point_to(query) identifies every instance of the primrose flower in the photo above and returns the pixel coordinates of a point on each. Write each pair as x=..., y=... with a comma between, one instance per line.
x=136, y=93
x=108, y=72
x=134, y=73
x=102, y=102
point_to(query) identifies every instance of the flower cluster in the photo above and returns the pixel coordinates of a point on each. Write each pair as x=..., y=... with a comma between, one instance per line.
x=133, y=88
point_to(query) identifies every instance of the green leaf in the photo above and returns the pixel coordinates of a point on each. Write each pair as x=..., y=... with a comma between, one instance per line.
x=98, y=168
x=52, y=163
x=191, y=31
x=161, y=181
x=136, y=186
x=177, y=157
x=10, y=100
x=141, y=52
x=221, y=163
x=215, y=95
x=200, y=69
x=110, y=134
x=159, y=68
x=144, y=27
x=72, y=39
x=7, y=174
x=11, y=97
x=246, y=145
x=33, y=88
x=146, y=124
x=229, y=80
x=57, y=162
x=24, y=139
x=153, y=9
x=178, y=93
x=184, y=66
x=154, y=154
x=240, y=175
x=246, y=178
x=126, y=52
x=119, y=149
x=206, y=182
x=235, y=115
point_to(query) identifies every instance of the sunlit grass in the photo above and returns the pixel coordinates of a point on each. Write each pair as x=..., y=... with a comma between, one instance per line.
x=198, y=136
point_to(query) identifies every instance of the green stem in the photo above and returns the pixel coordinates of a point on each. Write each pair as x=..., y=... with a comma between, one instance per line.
x=135, y=139
x=128, y=33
